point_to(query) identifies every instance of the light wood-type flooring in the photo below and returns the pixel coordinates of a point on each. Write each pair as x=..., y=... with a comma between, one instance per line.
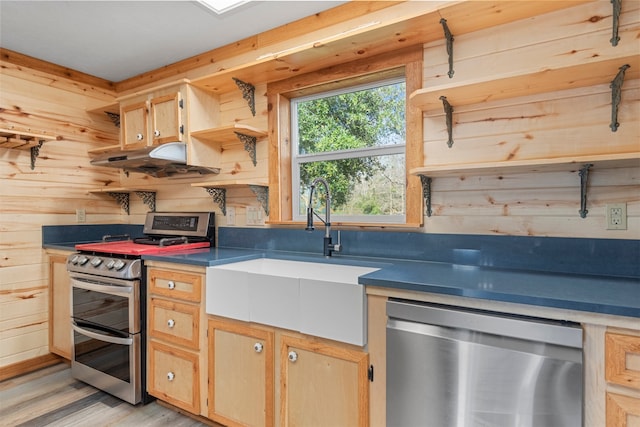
x=50, y=397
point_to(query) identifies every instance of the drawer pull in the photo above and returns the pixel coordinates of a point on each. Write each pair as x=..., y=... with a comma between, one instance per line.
x=293, y=356
x=171, y=323
x=156, y=133
x=258, y=347
x=171, y=376
x=171, y=284
x=139, y=137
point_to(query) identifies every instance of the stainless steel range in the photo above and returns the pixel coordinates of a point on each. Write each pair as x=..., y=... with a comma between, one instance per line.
x=108, y=291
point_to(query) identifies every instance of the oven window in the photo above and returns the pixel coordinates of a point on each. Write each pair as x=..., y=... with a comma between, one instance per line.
x=109, y=358
x=111, y=311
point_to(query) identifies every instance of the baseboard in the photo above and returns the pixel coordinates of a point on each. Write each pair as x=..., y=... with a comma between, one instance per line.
x=26, y=366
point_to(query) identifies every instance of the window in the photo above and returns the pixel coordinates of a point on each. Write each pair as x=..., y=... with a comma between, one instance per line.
x=304, y=142
x=355, y=139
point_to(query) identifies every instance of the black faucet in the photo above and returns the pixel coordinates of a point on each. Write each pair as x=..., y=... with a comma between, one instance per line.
x=329, y=247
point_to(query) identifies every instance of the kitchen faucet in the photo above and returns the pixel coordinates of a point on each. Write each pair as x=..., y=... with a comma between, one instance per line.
x=328, y=246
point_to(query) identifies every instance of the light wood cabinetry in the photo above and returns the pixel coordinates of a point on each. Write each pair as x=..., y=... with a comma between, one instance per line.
x=322, y=384
x=241, y=374
x=175, y=337
x=622, y=368
x=60, y=342
x=254, y=369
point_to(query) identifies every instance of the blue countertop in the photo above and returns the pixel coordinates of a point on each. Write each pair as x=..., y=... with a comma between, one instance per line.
x=589, y=293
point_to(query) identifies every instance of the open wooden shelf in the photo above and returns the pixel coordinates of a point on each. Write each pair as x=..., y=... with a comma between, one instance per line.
x=218, y=191
x=499, y=87
x=19, y=140
x=526, y=166
x=111, y=108
x=234, y=183
x=226, y=134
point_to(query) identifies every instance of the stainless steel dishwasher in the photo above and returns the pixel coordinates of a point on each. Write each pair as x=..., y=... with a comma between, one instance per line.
x=452, y=367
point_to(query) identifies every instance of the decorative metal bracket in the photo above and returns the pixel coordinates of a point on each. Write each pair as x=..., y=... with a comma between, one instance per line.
x=262, y=194
x=248, y=93
x=149, y=199
x=449, y=37
x=584, y=178
x=219, y=197
x=249, y=145
x=617, y=7
x=115, y=118
x=426, y=192
x=448, y=110
x=35, y=152
x=122, y=199
x=616, y=95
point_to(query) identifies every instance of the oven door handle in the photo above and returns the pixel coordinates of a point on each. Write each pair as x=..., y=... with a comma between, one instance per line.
x=104, y=288
x=100, y=337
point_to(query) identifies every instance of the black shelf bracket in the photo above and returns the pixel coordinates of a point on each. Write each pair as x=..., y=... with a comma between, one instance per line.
x=248, y=93
x=584, y=179
x=115, y=118
x=262, y=194
x=449, y=37
x=149, y=198
x=219, y=196
x=617, y=8
x=35, y=152
x=122, y=199
x=249, y=145
x=616, y=96
x=448, y=111
x=426, y=192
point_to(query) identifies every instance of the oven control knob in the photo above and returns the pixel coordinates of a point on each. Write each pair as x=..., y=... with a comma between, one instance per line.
x=111, y=264
x=119, y=264
x=96, y=261
x=74, y=259
x=83, y=260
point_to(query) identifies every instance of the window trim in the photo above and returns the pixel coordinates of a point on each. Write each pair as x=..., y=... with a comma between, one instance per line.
x=407, y=62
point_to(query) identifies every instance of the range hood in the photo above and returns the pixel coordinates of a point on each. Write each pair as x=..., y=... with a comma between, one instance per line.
x=159, y=161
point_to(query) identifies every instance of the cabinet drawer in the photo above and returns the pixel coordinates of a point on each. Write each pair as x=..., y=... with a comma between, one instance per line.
x=622, y=410
x=622, y=359
x=174, y=322
x=173, y=376
x=175, y=284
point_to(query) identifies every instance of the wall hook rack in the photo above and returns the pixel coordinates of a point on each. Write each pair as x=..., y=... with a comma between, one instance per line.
x=248, y=93
x=426, y=192
x=449, y=37
x=616, y=96
x=584, y=179
x=448, y=111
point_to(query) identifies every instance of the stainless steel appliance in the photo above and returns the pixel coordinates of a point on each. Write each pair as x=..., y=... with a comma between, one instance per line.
x=108, y=293
x=451, y=367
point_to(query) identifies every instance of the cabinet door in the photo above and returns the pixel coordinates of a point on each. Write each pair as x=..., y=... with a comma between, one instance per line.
x=165, y=118
x=241, y=374
x=173, y=376
x=59, y=307
x=322, y=385
x=133, y=124
x=622, y=411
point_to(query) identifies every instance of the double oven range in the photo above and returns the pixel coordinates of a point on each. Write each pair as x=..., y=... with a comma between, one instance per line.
x=108, y=300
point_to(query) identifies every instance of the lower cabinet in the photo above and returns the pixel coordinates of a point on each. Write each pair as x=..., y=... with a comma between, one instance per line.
x=59, y=305
x=312, y=381
x=622, y=368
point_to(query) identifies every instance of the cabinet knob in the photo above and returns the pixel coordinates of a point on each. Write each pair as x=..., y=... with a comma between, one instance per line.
x=171, y=284
x=171, y=376
x=156, y=133
x=139, y=137
x=293, y=356
x=171, y=323
x=258, y=347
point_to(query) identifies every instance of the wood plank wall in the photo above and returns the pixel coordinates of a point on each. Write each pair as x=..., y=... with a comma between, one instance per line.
x=542, y=204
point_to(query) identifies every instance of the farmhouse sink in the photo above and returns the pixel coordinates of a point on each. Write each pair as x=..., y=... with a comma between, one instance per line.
x=320, y=299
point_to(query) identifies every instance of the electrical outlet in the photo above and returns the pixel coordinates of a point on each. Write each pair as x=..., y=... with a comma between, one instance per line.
x=231, y=216
x=81, y=215
x=616, y=216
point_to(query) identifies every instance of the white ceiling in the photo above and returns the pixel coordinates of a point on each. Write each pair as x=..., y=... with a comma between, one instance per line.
x=116, y=40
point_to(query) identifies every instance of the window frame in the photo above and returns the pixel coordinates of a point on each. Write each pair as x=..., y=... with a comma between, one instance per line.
x=407, y=63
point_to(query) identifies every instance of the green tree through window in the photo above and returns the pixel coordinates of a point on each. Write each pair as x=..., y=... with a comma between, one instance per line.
x=354, y=139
